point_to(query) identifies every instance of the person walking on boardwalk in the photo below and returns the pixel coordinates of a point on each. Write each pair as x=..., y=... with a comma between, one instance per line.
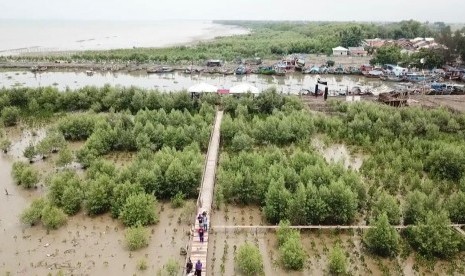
x=205, y=223
x=189, y=266
x=201, y=232
x=198, y=268
x=200, y=218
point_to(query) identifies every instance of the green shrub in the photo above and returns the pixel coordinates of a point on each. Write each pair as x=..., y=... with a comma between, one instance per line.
x=5, y=145
x=292, y=253
x=142, y=264
x=434, y=237
x=136, y=237
x=178, y=200
x=172, y=267
x=64, y=191
x=30, y=152
x=10, y=115
x=283, y=231
x=383, y=239
x=139, y=209
x=98, y=195
x=338, y=261
x=33, y=213
x=65, y=157
x=25, y=175
x=242, y=141
x=249, y=260
x=53, y=217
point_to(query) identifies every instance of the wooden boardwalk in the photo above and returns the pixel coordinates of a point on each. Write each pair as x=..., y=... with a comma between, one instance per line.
x=198, y=250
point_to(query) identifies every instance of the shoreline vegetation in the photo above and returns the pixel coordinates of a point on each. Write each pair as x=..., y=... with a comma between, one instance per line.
x=267, y=40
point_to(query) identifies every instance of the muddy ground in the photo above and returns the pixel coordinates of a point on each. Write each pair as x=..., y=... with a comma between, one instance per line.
x=452, y=102
x=85, y=245
x=317, y=244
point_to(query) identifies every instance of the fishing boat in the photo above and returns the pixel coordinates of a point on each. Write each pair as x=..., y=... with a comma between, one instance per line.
x=373, y=73
x=446, y=88
x=38, y=68
x=192, y=71
x=266, y=70
x=311, y=70
x=417, y=77
x=242, y=70
x=299, y=64
x=392, y=77
x=280, y=69
x=159, y=70
x=339, y=70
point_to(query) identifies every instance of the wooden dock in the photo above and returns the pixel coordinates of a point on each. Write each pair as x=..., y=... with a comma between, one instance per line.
x=197, y=250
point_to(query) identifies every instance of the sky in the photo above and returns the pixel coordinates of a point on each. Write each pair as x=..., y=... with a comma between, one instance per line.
x=311, y=10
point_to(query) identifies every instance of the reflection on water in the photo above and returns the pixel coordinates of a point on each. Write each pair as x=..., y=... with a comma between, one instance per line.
x=289, y=84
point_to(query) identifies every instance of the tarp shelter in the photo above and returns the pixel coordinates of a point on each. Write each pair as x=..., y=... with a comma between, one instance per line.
x=244, y=88
x=340, y=51
x=202, y=88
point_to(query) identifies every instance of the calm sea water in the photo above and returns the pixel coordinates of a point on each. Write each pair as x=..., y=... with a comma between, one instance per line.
x=19, y=36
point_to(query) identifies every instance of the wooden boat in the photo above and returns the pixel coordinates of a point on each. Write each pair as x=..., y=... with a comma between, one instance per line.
x=299, y=64
x=39, y=68
x=266, y=70
x=242, y=70
x=417, y=77
x=280, y=72
x=160, y=70
x=392, y=77
x=373, y=73
x=339, y=70
x=192, y=71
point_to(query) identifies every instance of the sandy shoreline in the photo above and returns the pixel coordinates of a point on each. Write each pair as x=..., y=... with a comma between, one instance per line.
x=208, y=34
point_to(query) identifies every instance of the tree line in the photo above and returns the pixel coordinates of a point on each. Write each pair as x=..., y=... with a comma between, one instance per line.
x=267, y=39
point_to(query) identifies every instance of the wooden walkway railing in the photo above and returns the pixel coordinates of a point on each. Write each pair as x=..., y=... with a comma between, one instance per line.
x=330, y=227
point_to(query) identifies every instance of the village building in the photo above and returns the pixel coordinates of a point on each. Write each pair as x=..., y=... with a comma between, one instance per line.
x=340, y=51
x=357, y=51
x=373, y=43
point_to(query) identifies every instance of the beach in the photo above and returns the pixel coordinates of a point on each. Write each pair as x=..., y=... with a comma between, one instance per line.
x=31, y=36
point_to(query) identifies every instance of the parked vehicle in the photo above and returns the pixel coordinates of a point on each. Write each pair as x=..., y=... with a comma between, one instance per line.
x=242, y=70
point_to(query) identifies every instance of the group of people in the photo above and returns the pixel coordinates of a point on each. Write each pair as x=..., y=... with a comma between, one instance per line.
x=203, y=227
x=190, y=266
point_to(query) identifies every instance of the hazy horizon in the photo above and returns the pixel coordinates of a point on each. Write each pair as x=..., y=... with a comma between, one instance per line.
x=450, y=11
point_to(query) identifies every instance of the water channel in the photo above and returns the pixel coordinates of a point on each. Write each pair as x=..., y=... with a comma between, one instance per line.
x=290, y=84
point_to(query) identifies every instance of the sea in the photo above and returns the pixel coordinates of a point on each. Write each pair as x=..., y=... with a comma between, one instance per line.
x=26, y=36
